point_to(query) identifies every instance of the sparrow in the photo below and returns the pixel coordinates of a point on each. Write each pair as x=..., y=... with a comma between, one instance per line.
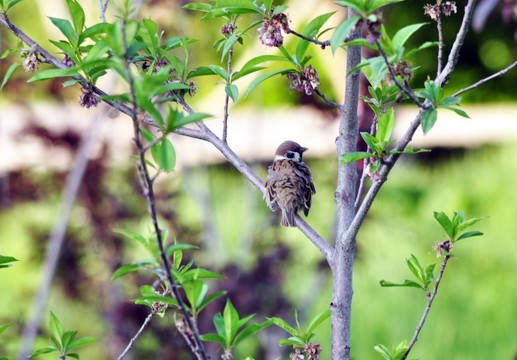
x=289, y=183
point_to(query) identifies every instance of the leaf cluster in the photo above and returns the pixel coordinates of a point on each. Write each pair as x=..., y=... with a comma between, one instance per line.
x=62, y=341
x=299, y=337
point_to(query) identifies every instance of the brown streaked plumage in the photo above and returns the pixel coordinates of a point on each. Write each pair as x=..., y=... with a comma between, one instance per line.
x=289, y=183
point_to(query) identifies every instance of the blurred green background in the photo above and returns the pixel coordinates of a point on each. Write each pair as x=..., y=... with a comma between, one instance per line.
x=270, y=270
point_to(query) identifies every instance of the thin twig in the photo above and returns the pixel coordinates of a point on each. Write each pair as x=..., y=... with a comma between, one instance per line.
x=103, y=8
x=365, y=164
x=488, y=78
x=197, y=348
x=323, y=44
x=407, y=91
x=138, y=333
x=456, y=46
x=327, y=100
x=440, y=40
x=430, y=299
x=227, y=98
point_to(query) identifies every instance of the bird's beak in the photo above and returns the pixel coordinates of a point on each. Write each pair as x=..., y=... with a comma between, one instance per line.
x=302, y=149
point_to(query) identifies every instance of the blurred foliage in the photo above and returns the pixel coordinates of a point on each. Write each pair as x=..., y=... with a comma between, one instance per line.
x=272, y=270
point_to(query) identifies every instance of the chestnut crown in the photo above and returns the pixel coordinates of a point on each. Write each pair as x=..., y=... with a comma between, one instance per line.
x=290, y=150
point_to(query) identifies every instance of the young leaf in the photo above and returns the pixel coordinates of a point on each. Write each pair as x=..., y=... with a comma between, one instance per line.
x=8, y=74
x=310, y=31
x=250, y=330
x=77, y=14
x=166, y=155
x=219, y=71
x=53, y=73
x=214, y=338
x=342, y=32
x=66, y=29
x=376, y=4
x=232, y=91
x=284, y=325
x=317, y=320
x=67, y=338
x=81, y=342
x=469, y=234
x=123, y=270
x=4, y=327
x=400, y=38
x=263, y=77
x=148, y=32
x=384, y=351
x=354, y=156
x=406, y=283
x=386, y=125
x=416, y=268
x=356, y=5
x=42, y=351
x=445, y=223
x=428, y=119
x=209, y=299
x=56, y=329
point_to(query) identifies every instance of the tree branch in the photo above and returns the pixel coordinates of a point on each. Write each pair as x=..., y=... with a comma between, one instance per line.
x=147, y=186
x=487, y=79
x=454, y=55
x=102, y=8
x=138, y=333
x=430, y=299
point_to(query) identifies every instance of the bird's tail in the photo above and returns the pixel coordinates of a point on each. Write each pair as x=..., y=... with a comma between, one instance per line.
x=288, y=219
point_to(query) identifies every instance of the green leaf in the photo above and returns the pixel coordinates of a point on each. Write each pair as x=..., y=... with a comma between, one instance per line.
x=77, y=14
x=209, y=299
x=291, y=341
x=4, y=327
x=148, y=32
x=267, y=5
x=250, y=330
x=8, y=52
x=384, y=351
x=317, y=320
x=8, y=74
x=469, y=234
x=179, y=247
x=400, y=38
x=66, y=28
x=232, y=91
x=284, y=325
x=220, y=327
x=428, y=119
x=416, y=268
x=231, y=321
x=67, y=338
x=228, y=44
x=456, y=110
x=214, y=338
x=56, y=329
x=342, y=32
x=400, y=350
x=425, y=45
x=356, y=5
x=53, y=73
x=42, y=351
x=261, y=59
x=310, y=31
x=93, y=31
x=376, y=4
x=219, y=71
x=72, y=355
x=354, y=156
x=148, y=300
x=166, y=155
x=279, y=9
x=264, y=77
x=197, y=7
x=243, y=72
x=132, y=235
x=196, y=291
x=82, y=341
x=445, y=223
x=123, y=270
x=406, y=283
x=7, y=4
x=386, y=125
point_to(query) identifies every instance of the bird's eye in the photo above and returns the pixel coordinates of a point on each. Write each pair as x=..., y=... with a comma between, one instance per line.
x=290, y=155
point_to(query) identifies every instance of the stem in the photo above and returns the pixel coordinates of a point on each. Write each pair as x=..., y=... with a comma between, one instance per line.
x=103, y=8
x=428, y=307
x=407, y=91
x=323, y=44
x=440, y=41
x=343, y=258
x=227, y=99
x=138, y=333
x=328, y=101
x=197, y=347
x=488, y=78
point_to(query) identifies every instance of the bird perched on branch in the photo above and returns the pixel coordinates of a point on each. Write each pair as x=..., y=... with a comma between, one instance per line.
x=289, y=182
